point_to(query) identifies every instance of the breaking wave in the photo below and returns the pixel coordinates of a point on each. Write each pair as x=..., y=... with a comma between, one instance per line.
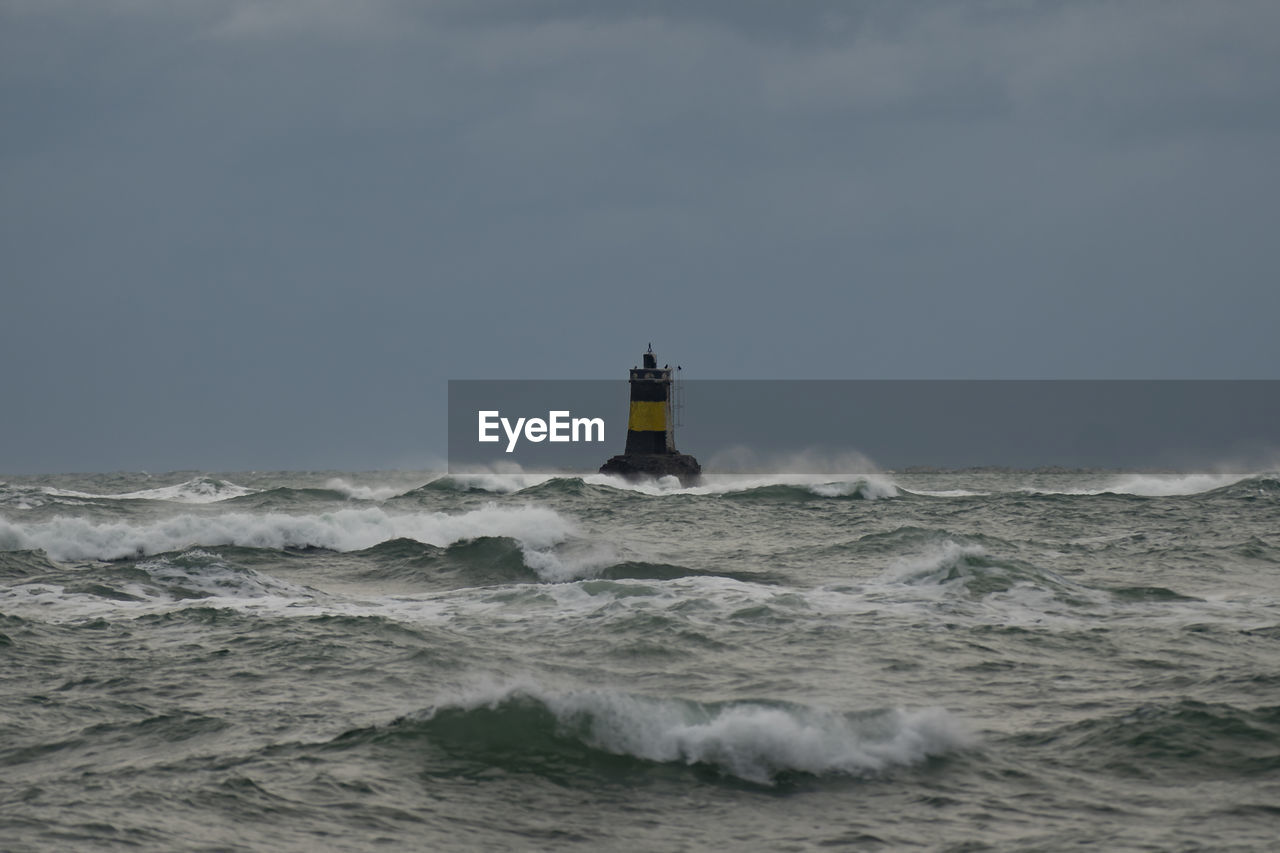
x=196, y=491
x=759, y=742
x=971, y=567
x=362, y=493
x=67, y=538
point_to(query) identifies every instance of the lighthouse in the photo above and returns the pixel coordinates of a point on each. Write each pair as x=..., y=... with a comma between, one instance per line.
x=651, y=444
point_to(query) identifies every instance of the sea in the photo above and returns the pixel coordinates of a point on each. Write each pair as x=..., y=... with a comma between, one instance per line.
x=922, y=660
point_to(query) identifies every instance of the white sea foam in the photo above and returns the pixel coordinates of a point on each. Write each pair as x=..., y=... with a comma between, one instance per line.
x=66, y=538
x=239, y=588
x=54, y=603
x=750, y=740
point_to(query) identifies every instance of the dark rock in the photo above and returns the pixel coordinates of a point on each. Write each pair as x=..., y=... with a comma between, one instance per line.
x=652, y=466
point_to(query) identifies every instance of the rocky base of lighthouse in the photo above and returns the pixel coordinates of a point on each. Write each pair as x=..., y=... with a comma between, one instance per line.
x=653, y=466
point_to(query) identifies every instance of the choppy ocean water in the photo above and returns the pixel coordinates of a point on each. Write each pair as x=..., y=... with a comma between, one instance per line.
x=953, y=661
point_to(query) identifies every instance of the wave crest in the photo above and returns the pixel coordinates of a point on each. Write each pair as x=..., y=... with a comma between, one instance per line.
x=754, y=741
x=1155, y=485
x=970, y=567
x=66, y=538
x=1187, y=738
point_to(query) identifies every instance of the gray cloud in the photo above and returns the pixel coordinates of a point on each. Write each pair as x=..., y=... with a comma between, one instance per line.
x=262, y=234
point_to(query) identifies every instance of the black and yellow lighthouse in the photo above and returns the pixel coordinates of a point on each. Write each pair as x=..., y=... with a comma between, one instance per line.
x=651, y=444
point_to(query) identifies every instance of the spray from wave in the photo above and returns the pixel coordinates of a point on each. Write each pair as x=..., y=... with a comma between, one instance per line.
x=1154, y=485
x=362, y=493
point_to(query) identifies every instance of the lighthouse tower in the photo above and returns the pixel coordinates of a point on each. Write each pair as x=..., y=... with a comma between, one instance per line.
x=651, y=445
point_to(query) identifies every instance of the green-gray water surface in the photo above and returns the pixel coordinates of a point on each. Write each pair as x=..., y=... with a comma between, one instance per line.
x=952, y=661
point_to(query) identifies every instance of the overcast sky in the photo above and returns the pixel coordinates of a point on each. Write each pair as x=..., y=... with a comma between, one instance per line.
x=262, y=233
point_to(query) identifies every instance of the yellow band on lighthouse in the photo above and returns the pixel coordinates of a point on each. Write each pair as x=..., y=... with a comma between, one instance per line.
x=647, y=416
